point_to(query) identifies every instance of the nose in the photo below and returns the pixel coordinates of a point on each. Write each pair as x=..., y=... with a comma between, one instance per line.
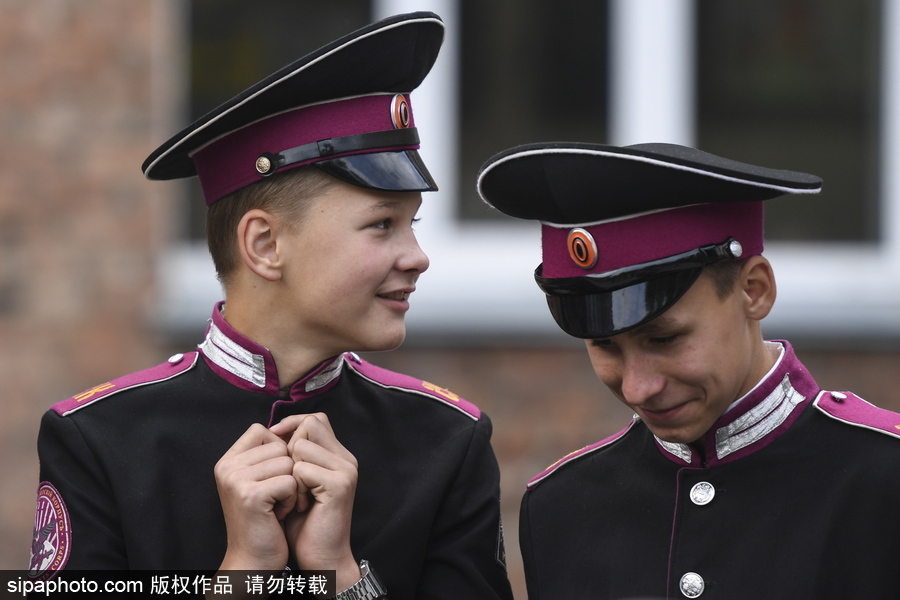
x=413, y=258
x=641, y=380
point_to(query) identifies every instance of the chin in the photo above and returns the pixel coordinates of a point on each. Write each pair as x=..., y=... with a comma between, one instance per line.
x=675, y=437
x=385, y=343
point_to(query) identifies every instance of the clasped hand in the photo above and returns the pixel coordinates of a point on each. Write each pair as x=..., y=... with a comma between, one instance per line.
x=289, y=489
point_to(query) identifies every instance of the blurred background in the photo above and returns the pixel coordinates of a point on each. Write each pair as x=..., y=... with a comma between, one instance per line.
x=103, y=273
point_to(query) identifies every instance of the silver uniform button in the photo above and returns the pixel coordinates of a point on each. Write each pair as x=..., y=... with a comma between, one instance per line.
x=176, y=358
x=692, y=585
x=702, y=493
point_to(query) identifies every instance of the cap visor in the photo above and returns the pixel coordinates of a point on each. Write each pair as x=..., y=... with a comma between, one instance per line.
x=401, y=171
x=591, y=316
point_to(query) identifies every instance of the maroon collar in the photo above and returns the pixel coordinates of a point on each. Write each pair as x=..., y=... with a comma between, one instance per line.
x=757, y=419
x=250, y=366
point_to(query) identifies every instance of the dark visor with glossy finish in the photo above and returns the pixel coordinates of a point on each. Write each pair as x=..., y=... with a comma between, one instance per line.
x=605, y=304
x=401, y=171
x=600, y=315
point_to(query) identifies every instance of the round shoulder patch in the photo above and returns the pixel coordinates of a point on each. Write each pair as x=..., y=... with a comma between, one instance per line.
x=52, y=541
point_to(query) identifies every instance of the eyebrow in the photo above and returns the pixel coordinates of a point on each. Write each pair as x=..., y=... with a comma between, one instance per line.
x=392, y=205
x=381, y=204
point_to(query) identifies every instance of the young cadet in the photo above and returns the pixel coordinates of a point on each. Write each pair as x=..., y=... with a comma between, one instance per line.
x=738, y=477
x=272, y=444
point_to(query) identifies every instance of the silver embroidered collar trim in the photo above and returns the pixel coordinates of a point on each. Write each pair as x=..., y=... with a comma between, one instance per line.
x=233, y=357
x=760, y=421
x=681, y=451
x=329, y=374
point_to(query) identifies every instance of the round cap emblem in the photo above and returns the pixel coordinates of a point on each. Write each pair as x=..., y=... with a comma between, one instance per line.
x=692, y=585
x=400, y=112
x=263, y=165
x=582, y=248
x=702, y=493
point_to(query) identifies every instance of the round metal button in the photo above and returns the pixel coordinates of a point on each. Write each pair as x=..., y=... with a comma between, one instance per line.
x=692, y=585
x=702, y=493
x=263, y=165
x=176, y=358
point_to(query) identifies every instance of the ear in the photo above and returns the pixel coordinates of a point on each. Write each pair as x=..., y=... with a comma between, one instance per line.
x=757, y=285
x=258, y=244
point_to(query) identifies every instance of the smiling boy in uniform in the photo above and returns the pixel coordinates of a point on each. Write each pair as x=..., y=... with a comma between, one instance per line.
x=738, y=478
x=274, y=444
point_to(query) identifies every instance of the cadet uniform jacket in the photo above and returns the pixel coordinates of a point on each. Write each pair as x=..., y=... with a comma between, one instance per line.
x=127, y=468
x=798, y=496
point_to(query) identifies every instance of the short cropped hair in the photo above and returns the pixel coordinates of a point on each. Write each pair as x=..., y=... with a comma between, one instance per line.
x=724, y=275
x=285, y=195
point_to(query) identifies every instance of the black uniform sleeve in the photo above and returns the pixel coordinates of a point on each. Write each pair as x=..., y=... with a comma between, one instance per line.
x=466, y=557
x=526, y=549
x=69, y=463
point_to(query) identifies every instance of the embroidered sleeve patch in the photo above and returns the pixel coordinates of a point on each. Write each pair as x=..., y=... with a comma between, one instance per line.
x=390, y=379
x=853, y=410
x=52, y=540
x=176, y=365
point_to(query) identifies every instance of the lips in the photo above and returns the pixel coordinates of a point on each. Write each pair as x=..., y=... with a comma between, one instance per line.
x=664, y=414
x=401, y=295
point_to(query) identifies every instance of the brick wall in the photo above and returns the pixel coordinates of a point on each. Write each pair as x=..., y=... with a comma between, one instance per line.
x=78, y=227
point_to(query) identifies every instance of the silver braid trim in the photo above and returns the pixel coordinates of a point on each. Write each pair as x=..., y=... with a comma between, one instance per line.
x=680, y=451
x=234, y=358
x=760, y=421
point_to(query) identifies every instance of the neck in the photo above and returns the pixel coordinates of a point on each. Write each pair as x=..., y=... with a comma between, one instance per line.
x=259, y=322
x=761, y=356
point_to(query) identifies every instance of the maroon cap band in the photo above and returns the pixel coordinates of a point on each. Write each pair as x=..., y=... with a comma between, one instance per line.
x=230, y=162
x=638, y=239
